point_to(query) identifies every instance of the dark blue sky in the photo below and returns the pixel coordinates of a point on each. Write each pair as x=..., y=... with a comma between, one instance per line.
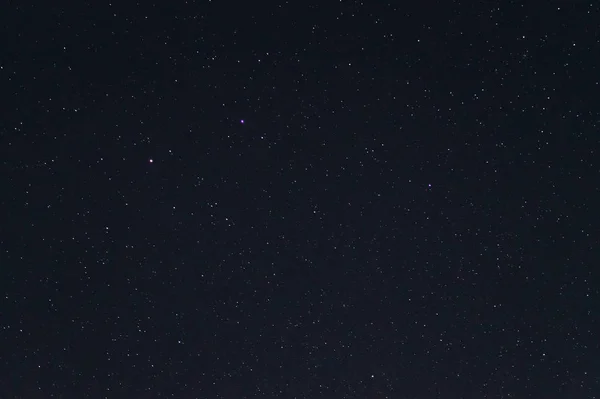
x=407, y=211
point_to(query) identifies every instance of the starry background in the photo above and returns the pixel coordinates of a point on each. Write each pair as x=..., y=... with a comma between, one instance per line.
x=327, y=199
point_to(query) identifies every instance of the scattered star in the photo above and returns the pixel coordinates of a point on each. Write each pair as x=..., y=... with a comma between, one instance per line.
x=300, y=257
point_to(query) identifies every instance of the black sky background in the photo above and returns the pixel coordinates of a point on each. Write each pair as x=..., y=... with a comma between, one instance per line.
x=408, y=209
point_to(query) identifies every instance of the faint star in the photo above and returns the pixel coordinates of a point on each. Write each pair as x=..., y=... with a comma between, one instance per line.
x=151, y=160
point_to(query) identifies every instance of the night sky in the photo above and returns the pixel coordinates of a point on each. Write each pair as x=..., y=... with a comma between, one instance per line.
x=300, y=200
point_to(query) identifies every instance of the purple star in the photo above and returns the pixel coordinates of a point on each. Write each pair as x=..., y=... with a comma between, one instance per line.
x=242, y=121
